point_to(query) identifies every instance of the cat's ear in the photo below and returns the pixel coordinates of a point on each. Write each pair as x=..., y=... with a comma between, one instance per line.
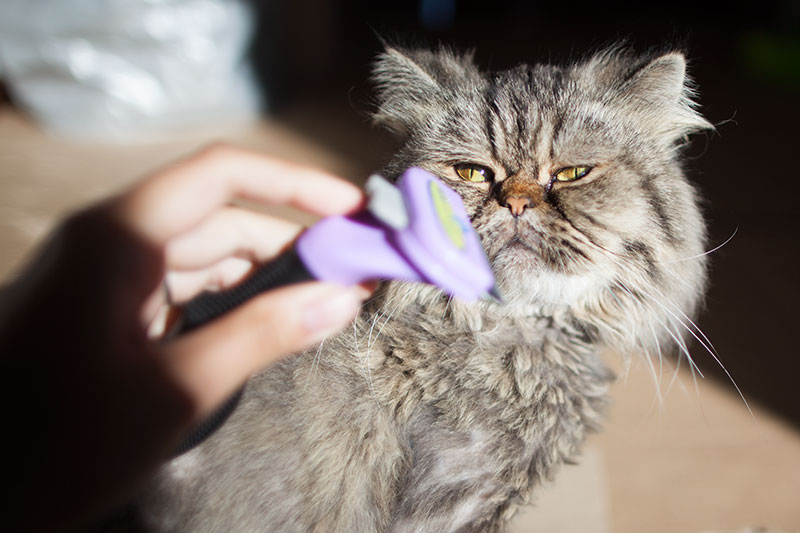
x=661, y=96
x=410, y=84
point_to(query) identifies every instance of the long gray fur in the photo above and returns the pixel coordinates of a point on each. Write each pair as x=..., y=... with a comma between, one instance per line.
x=431, y=415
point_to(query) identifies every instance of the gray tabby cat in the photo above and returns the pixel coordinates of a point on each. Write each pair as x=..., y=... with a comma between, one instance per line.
x=434, y=415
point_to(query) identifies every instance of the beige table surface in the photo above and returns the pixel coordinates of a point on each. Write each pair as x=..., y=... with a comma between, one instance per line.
x=697, y=462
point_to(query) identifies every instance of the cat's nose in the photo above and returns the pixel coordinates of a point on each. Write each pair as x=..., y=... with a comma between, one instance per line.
x=517, y=204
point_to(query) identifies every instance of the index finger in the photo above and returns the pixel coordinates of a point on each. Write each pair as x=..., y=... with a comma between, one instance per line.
x=180, y=196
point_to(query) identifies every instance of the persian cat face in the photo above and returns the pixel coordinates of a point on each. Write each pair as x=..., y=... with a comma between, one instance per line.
x=571, y=176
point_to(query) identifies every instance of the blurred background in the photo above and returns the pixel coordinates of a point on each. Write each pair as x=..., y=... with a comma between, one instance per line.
x=299, y=70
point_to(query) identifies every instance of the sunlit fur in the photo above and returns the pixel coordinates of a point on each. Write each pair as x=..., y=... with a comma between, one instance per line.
x=432, y=414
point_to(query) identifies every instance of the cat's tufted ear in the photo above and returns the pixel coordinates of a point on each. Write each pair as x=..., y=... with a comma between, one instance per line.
x=412, y=83
x=658, y=94
x=661, y=91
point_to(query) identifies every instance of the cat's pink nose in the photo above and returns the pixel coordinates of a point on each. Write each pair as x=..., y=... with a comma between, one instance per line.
x=517, y=205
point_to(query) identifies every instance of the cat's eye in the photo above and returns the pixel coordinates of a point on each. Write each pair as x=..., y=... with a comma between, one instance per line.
x=572, y=173
x=474, y=173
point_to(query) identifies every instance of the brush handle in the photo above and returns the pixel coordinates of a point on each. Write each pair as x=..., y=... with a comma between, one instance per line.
x=285, y=269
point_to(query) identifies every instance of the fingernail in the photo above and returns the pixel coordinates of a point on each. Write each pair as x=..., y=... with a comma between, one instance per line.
x=332, y=312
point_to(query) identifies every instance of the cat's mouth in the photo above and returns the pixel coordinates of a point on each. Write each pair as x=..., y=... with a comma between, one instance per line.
x=518, y=241
x=522, y=249
x=526, y=250
x=534, y=268
x=518, y=249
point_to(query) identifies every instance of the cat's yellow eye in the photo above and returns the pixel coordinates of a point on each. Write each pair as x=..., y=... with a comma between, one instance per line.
x=474, y=173
x=572, y=173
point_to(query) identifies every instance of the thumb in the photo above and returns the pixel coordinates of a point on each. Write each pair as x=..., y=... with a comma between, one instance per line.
x=211, y=362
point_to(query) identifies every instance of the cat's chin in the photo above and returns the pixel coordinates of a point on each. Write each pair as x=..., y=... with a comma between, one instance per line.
x=525, y=278
x=531, y=285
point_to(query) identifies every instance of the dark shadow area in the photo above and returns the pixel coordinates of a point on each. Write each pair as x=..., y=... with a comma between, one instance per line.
x=314, y=56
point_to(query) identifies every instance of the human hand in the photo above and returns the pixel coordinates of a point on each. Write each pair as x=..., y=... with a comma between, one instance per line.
x=105, y=400
x=209, y=244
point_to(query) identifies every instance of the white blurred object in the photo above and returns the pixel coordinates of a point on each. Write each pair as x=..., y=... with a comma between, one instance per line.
x=115, y=69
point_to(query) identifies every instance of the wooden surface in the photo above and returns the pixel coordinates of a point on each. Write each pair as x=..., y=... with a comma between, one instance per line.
x=698, y=461
x=43, y=177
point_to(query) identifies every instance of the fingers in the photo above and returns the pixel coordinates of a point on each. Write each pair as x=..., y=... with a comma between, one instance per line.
x=185, y=285
x=231, y=231
x=183, y=194
x=184, y=210
x=180, y=286
x=212, y=362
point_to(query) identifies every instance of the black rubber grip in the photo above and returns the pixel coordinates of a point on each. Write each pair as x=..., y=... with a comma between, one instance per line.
x=285, y=269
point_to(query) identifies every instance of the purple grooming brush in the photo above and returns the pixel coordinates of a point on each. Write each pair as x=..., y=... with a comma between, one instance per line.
x=417, y=230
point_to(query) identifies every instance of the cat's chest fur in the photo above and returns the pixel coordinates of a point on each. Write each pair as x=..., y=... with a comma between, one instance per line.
x=485, y=404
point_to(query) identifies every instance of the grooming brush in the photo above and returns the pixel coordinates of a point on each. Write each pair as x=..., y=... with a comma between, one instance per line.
x=414, y=230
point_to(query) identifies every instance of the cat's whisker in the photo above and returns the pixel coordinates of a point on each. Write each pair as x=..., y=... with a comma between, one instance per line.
x=315, y=362
x=660, y=355
x=658, y=398
x=375, y=317
x=705, y=341
x=676, y=337
x=660, y=380
x=695, y=371
x=703, y=254
x=659, y=298
x=678, y=360
x=369, y=333
x=356, y=349
x=388, y=318
x=682, y=319
x=693, y=368
x=694, y=330
x=369, y=352
x=675, y=374
x=364, y=356
x=607, y=326
x=384, y=311
x=709, y=348
x=657, y=377
x=684, y=348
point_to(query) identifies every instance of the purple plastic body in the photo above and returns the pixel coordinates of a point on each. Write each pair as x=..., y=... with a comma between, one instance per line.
x=439, y=245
